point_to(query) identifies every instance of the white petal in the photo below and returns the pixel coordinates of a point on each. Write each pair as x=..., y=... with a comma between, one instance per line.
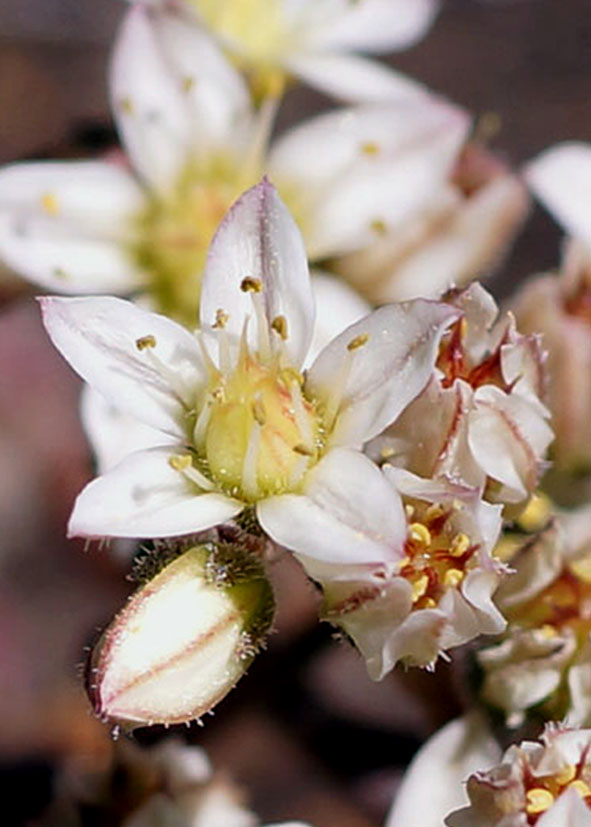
x=433, y=785
x=258, y=238
x=216, y=95
x=569, y=810
x=561, y=178
x=98, y=337
x=373, y=383
x=508, y=439
x=356, y=170
x=144, y=497
x=378, y=26
x=112, y=434
x=354, y=79
x=337, y=307
x=149, y=105
x=347, y=513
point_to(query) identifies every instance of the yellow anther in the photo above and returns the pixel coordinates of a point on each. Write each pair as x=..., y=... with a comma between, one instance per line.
x=425, y=603
x=452, y=578
x=419, y=533
x=358, y=341
x=387, y=452
x=145, y=342
x=290, y=375
x=582, y=568
x=258, y=411
x=180, y=462
x=50, y=203
x=404, y=562
x=219, y=395
x=419, y=587
x=221, y=319
x=304, y=450
x=188, y=83
x=565, y=775
x=538, y=800
x=536, y=513
x=279, y=325
x=434, y=511
x=580, y=787
x=409, y=510
x=459, y=545
x=370, y=148
x=378, y=226
x=126, y=106
x=251, y=285
x=548, y=632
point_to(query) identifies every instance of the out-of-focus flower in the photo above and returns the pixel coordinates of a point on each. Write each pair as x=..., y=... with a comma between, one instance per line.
x=543, y=663
x=183, y=640
x=316, y=41
x=461, y=234
x=433, y=785
x=250, y=430
x=546, y=784
x=480, y=419
x=438, y=594
x=195, y=143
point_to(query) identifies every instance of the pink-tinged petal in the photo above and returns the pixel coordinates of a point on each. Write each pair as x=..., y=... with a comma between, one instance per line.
x=145, y=364
x=347, y=513
x=216, y=95
x=112, y=434
x=569, y=810
x=508, y=438
x=148, y=102
x=354, y=79
x=561, y=178
x=144, y=497
x=367, y=376
x=258, y=240
x=337, y=307
x=433, y=785
x=377, y=26
x=359, y=173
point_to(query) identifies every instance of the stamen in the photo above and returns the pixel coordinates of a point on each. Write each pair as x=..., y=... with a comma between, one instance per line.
x=145, y=342
x=221, y=319
x=452, y=578
x=262, y=326
x=419, y=587
x=565, y=775
x=409, y=510
x=188, y=84
x=378, y=226
x=50, y=203
x=419, y=533
x=304, y=450
x=580, y=787
x=251, y=285
x=337, y=391
x=298, y=471
x=538, y=800
x=459, y=545
x=302, y=420
x=200, y=429
x=249, y=467
x=434, y=511
x=425, y=603
x=358, y=342
x=184, y=464
x=258, y=411
x=370, y=148
x=387, y=452
x=279, y=325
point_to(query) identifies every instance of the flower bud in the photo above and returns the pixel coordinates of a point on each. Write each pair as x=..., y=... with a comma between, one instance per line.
x=183, y=640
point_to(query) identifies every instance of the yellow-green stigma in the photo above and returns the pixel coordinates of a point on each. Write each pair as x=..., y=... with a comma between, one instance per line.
x=256, y=34
x=174, y=232
x=258, y=434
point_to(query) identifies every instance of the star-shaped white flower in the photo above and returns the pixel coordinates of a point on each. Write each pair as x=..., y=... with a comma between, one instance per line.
x=317, y=41
x=194, y=142
x=250, y=429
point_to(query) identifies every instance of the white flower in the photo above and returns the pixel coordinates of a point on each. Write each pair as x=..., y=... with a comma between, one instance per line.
x=250, y=429
x=480, y=420
x=433, y=785
x=195, y=143
x=460, y=234
x=546, y=784
x=544, y=661
x=316, y=40
x=437, y=595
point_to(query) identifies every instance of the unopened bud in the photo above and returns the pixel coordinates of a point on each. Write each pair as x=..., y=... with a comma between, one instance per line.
x=183, y=640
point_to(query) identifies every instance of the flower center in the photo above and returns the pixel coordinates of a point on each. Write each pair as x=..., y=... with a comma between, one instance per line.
x=542, y=791
x=174, y=233
x=256, y=30
x=257, y=434
x=564, y=604
x=436, y=556
x=454, y=362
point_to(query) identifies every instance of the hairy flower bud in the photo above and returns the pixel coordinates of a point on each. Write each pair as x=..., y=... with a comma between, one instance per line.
x=183, y=640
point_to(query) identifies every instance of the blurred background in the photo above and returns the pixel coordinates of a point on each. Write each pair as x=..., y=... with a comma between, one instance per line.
x=306, y=734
